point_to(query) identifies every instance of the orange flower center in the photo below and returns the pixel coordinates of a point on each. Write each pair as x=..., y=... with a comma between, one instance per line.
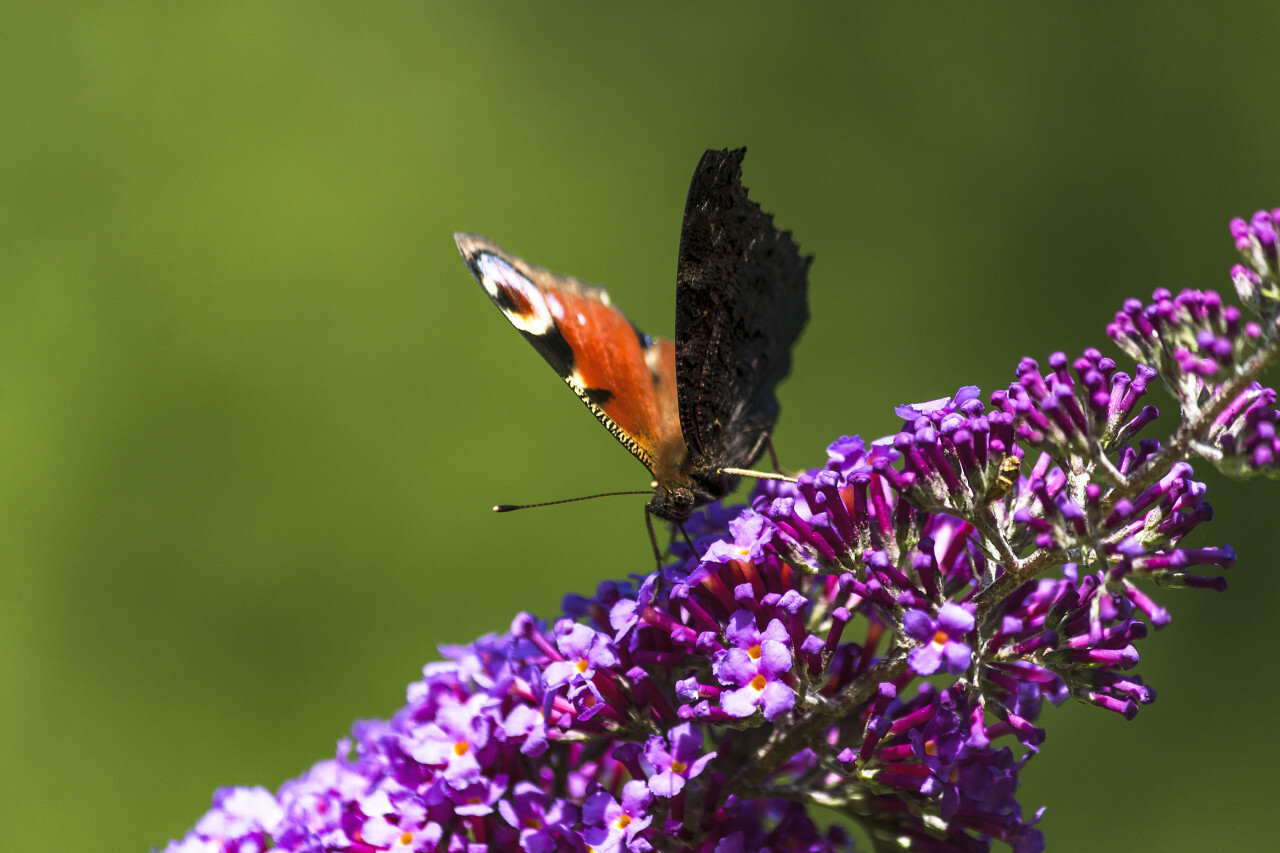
x=759, y=682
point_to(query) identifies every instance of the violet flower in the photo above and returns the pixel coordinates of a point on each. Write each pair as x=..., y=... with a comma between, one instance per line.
x=755, y=665
x=669, y=762
x=942, y=640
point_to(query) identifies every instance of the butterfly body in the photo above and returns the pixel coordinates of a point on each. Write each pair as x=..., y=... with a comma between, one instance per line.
x=688, y=408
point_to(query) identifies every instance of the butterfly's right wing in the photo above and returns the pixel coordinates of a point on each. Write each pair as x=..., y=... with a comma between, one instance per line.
x=625, y=378
x=742, y=298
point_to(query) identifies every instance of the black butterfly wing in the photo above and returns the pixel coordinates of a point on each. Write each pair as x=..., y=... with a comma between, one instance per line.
x=742, y=298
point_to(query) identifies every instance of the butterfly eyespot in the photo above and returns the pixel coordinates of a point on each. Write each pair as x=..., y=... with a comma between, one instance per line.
x=528, y=308
x=515, y=302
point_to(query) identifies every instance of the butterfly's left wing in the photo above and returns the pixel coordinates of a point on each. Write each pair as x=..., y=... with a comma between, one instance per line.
x=741, y=302
x=626, y=378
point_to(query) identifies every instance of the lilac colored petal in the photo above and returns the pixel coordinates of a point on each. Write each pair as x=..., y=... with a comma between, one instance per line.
x=958, y=656
x=528, y=722
x=775, y=658
x=238, y=811
x=561, y=672
x=698, y=766
x=686, y=739
x=742, y=630
x=741, y=702
x=595, y=809
x=655, y=751
x=735, y=667
x=924, y=660
x=955, y=620
x=777, y=699
x=537, y=841
x=776, y=632
x=635, y=797
x=911, y=411
x=918, y=625
x=668, y=783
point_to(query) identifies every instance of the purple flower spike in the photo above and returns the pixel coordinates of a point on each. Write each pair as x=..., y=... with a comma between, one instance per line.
x=942, y=639
x=824, y=642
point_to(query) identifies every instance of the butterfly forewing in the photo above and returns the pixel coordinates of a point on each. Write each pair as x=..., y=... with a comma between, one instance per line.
x=741, y=302
x=625, y=378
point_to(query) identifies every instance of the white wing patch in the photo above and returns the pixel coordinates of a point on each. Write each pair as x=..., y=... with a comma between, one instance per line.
x=530, y=310
x=653, y=358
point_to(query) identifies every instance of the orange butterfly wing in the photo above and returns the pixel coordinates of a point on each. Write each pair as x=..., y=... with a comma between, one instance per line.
x=626, y=378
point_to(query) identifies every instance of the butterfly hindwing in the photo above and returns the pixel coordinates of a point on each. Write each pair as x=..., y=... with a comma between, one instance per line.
x=626, y=378
x=741, y=302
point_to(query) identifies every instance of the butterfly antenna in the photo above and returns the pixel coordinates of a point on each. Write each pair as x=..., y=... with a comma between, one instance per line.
x=514, y=507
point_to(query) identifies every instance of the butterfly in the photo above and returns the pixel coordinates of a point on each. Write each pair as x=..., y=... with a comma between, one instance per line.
x=696, y=410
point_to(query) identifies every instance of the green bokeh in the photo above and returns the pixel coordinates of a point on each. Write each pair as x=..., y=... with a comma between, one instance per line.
x=253, y=410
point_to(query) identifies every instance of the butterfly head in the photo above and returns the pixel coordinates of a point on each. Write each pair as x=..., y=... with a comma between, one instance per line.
x=675, y=498
x=672, y=503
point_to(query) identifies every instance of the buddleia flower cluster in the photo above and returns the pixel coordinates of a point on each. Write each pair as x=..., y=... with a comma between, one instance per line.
x=876, y=640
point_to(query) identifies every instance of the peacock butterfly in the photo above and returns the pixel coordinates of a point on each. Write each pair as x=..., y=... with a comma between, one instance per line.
x=691, y=409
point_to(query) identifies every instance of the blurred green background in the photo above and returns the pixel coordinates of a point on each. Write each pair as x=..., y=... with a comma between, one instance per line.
x=253, y=409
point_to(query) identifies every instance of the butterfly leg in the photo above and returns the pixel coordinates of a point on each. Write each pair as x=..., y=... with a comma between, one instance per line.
x=689, y=542
x=653, y=540
x=773, y=457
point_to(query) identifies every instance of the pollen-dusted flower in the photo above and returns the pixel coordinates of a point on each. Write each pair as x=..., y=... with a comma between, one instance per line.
x=247, y=817
x=751, y=533
x=670, y=761
x=942, y=640
x=613, y=825
x=542, y=820
x=584, y=651
x=455, y=740
x=755, y=665
x=395, y=819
